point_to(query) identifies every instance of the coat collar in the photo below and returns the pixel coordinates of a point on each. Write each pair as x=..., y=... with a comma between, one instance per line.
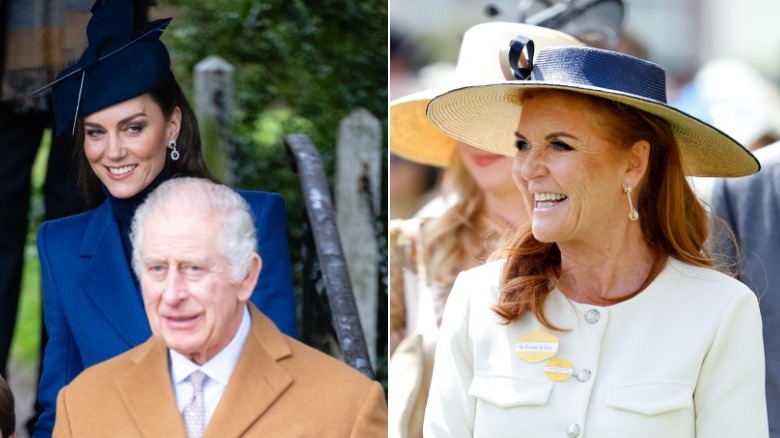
x=257, y=381
x=144, y=387
x=257, y=373
x=108, y=280
x=102, y=218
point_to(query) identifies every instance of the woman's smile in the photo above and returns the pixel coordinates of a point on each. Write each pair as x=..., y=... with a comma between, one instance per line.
x=543, y=201
x=121, y=172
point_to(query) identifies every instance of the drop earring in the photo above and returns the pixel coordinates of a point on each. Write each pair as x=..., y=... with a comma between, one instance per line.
x=632, y=213
x=174, y=151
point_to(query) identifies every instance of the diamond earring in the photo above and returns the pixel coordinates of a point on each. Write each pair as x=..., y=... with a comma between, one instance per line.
x=174, y=151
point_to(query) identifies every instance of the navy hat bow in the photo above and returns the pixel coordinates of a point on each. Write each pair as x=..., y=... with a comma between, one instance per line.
x=118, y=64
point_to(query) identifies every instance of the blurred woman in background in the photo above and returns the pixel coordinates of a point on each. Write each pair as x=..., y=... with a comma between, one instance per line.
x=479, y=204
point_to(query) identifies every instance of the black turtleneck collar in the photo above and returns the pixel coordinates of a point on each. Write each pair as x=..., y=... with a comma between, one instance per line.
x=124, y=209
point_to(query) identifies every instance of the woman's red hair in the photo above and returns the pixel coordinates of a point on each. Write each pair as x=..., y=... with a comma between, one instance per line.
x=673, y=221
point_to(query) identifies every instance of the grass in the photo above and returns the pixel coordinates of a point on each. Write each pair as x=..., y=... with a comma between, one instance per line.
x=26, y=342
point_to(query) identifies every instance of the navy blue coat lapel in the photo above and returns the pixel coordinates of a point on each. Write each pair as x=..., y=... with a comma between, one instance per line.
x=108, y=280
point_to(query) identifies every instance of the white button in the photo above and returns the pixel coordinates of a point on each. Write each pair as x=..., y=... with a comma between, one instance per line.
x=583, y=375
x=573, y=430
x=592, y=316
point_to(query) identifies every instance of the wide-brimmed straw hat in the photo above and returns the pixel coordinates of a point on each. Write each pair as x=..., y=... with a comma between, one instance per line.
x=482, y=51
x=486, y=116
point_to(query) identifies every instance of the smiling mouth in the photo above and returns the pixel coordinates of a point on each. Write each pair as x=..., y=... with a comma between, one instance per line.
x=182, y=318
x=119, y=171
x=181, y=322
x=548, y=200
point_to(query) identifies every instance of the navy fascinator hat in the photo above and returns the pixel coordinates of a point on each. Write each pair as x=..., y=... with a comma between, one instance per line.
x=118, y=64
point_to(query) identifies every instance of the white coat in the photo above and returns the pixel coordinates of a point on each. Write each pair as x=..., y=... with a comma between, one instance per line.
x=684, y=358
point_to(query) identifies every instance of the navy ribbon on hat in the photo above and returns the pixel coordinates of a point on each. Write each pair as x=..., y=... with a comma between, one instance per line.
x=588, y=67
x=106, y=79
x=516, y=47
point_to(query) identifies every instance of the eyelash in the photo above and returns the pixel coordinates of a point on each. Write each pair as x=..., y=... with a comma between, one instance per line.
x=561, y=145
x=523, y=145
x=134, y=129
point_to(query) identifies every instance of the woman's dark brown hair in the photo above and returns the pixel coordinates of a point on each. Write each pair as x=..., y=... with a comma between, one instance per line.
x=673, y=221
x=168, y=95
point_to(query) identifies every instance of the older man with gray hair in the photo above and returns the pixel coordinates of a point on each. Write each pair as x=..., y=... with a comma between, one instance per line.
x=215, y=365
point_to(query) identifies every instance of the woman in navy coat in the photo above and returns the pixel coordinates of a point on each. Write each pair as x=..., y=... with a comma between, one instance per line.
x=135, y=130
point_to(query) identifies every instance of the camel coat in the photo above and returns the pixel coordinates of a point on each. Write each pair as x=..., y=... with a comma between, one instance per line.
x=280, y=387
x=93, y=309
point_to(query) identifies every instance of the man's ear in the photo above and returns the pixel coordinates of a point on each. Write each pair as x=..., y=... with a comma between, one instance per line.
x=247, y=284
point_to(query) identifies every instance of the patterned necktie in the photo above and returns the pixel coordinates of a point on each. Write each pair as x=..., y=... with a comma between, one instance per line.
x=194, y=412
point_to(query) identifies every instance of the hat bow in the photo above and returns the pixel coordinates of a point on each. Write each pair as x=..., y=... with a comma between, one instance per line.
x=513, y=59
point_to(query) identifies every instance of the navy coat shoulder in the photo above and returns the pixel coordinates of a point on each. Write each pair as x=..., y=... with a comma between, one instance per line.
x=751, y=207
x=93, y=309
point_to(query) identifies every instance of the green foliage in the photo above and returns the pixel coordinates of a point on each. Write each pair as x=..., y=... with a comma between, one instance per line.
x=320, y=58
x=301, y=66
x=27, y=331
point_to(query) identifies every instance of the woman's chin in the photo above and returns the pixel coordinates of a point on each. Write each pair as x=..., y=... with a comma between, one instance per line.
x=123, y=189
x=543, y=234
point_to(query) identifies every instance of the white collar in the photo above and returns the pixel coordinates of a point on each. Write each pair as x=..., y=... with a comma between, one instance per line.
x=218, y=368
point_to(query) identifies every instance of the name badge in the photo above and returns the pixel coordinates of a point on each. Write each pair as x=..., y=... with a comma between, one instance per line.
x=558, y=370
x=536, y=346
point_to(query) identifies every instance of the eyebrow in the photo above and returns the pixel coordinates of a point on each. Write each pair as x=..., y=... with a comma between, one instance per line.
x=153, y=259
x=121, y=122
x=549, y=137
x=559, y=134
